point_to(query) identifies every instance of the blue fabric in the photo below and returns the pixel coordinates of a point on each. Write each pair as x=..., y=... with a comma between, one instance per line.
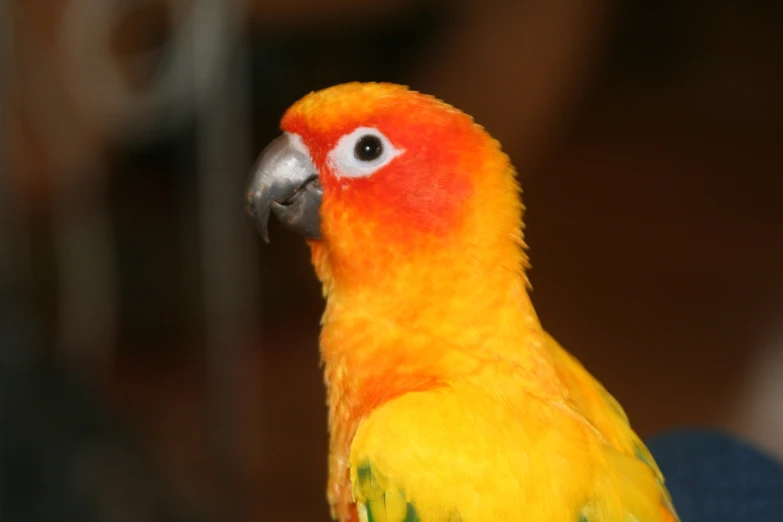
x=714, y=477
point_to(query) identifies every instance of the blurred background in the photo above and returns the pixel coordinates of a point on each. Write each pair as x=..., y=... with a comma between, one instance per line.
x=160, y=363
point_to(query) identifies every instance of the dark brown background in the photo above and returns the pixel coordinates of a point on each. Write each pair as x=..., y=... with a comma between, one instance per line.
x=648, y=138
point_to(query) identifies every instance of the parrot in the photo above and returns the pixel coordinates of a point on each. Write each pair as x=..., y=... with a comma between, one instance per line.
x=447, y=400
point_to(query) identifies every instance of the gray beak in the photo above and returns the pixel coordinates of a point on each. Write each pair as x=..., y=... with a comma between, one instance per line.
x=285, y=182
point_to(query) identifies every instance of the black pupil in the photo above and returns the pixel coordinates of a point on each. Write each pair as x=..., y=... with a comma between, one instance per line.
x=368, y=148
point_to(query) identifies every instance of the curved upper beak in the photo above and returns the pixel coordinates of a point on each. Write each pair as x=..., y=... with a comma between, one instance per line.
x=285, y=181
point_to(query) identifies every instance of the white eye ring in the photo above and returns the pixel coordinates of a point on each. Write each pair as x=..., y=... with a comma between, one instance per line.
x=345, y=160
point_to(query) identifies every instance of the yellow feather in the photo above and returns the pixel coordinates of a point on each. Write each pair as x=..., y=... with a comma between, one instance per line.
x=496, y=452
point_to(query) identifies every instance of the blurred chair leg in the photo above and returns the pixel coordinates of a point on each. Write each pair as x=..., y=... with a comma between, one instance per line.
x=8, y=230
x=228, y=250
x=87, y=308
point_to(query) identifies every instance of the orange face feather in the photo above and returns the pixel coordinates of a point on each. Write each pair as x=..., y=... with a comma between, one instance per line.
x=418, y=203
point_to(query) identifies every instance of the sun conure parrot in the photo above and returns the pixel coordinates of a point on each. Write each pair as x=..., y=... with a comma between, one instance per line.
x=447, y=399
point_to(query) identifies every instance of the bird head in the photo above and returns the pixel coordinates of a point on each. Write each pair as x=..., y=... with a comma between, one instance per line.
x=380, y=178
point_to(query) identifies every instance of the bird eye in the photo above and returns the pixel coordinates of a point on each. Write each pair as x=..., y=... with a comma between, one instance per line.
x=368, y=148
x=362, y=152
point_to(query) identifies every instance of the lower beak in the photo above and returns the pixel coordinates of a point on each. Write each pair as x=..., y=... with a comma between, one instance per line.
x=285, y=182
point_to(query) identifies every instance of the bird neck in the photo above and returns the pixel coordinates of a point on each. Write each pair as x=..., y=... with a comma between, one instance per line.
x=420, y=324
x=407, y=316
